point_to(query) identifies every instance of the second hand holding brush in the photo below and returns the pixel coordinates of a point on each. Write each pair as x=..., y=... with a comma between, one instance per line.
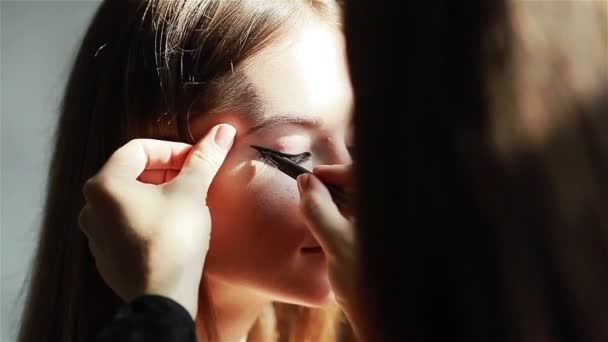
x=293, y=170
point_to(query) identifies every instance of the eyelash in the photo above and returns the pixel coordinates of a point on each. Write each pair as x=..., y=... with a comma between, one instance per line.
x=300, y=158
x=296, y=158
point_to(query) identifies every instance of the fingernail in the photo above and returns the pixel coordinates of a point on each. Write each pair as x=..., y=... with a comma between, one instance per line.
x=303, y=181
x=224, y=136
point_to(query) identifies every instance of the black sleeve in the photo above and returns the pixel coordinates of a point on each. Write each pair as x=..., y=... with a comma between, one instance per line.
x=150, y=319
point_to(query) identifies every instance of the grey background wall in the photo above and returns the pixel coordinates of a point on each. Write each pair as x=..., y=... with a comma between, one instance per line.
x=38, y=40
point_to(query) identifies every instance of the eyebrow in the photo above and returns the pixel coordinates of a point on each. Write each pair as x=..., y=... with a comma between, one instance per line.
x=310, y=122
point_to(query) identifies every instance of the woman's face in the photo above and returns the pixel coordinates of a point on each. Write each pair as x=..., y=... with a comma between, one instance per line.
x=258, y=238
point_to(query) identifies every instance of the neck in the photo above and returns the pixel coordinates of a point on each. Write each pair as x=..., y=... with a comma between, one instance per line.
x=235, y=309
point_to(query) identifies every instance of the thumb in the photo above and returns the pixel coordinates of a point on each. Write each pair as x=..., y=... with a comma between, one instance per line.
x=204, y=161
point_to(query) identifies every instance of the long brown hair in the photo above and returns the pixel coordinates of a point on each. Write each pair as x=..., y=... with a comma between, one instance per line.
x=142, y=68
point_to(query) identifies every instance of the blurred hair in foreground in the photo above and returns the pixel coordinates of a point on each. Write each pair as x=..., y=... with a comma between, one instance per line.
x=497, y=216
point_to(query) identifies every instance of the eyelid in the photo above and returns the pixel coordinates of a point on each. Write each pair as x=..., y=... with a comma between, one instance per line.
x=296, y=158
x=287, y=155
x=300, y=158
x=305, y=155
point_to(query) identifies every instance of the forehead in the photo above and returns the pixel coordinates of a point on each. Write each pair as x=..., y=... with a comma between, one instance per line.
x=304, y=72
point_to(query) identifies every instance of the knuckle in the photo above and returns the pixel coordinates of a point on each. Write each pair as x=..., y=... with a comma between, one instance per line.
x=208, y=158
x=135, y=142
x=97, y=189
x=90, y=187
x=199, y=154
x=127, y=148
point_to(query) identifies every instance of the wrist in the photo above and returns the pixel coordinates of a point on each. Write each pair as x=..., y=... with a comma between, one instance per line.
x=185, y=294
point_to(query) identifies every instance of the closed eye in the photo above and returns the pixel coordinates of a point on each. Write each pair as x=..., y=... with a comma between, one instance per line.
x=296, y=158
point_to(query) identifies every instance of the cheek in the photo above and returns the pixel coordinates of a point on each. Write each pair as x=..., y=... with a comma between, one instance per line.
x=279, y=198
x=273, y=197
x=255, y=185
x=257, y=230
x=253, y=207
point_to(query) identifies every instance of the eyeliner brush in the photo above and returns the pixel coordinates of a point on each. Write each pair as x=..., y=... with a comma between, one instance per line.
x=293, y=170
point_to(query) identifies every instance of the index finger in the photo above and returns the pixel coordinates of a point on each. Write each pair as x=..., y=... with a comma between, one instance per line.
x=139, y=155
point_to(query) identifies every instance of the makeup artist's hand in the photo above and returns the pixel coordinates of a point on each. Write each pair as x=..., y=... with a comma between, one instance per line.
x=334, y=231
x=146, y=218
